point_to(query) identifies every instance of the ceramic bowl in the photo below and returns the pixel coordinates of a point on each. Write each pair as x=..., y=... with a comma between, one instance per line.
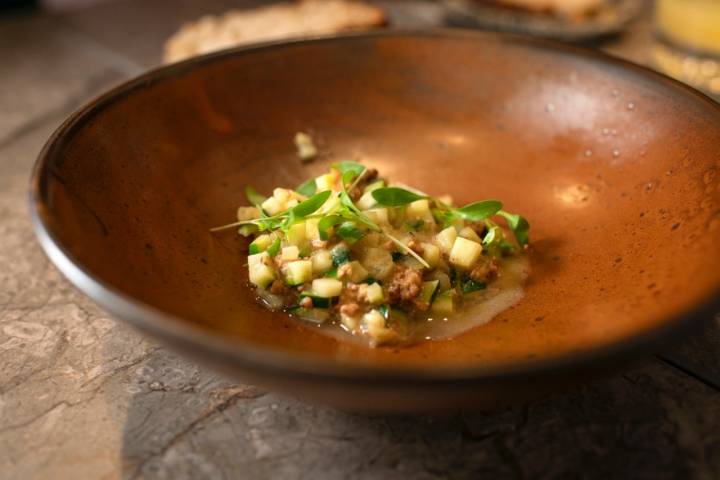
x=615, y=166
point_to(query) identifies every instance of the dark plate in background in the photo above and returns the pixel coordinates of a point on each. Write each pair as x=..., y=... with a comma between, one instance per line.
x=609, y=21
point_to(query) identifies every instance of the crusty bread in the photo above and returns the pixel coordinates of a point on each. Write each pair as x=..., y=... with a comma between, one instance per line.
x=284, y=20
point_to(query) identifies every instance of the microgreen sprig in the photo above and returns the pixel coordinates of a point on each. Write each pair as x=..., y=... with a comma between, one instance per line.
x=254, y=197
x=285, y=219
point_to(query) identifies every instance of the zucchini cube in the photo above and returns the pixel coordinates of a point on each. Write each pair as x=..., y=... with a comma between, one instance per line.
x=297, y=272
x=327, y=287
x=465, y=253
x=446, y=239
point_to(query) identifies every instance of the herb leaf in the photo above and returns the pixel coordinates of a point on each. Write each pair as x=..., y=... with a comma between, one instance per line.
x=347, y=177
x=326, y=223
x=479, y=210
x=305, y=208
x=253, y=196
x=395, y=196
x=308, y=188
x=344, y=167
x=519, y=226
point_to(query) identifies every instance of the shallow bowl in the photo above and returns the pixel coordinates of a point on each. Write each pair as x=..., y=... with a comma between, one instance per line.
x=616, y=168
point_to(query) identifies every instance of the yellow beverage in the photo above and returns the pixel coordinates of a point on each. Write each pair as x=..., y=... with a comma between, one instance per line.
x=694, y=24
x=689, y=41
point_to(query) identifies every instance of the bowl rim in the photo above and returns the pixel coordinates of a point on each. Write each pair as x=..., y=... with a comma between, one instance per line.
x=265, y=360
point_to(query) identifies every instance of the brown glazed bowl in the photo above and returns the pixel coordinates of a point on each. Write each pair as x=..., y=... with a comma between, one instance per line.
x=616, y=168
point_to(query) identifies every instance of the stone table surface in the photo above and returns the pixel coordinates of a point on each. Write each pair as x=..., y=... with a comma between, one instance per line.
x=82, y=396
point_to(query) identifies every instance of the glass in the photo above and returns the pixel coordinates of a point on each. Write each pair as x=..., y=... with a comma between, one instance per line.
x=687, y=43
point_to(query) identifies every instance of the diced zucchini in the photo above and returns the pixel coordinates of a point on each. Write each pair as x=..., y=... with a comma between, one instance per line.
x=431, y=254
x=469, y=233
x=318, y=302
x=297, y=272
x=366, y=202
x=443, y=279
x=378, y=262
x=274, y=247
x=357, y=272
x=306, y=149
x=378, y=215
x=374, y=293
x=375, y=185
x=327, y=287
x=419, y=209
x=412, y=262
x=259, y=271
x=297, y=235
x=446, y=199
x=316, y=315
x=290, y=253
x=443, y=304
x=446, y=239
x=428, y=290
x=321, y=261
x=465, y=253
x=350, y=232
x=260, y=244
x=330, y=206
x=247, y=213
x=283, y=195
x=350, y=323
x=259, y=258
x=311, y=228
x=373, y=324
x=468, y=285
x=325, y=182
x=247, y=230
x=272, y=206
x=373, y=321
x=340, y=254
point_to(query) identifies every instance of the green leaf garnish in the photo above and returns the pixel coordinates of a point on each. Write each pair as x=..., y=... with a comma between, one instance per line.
x=305, y=208
x=326, y=223
x=348, y=176
x=384, y=311
x=519, y=226
x=253, y=196
x=395, y=196
x=344, y=167
x=308, y=188
x=478, y=211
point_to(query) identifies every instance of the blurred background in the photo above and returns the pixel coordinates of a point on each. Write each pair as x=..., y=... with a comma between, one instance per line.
x=678, y=37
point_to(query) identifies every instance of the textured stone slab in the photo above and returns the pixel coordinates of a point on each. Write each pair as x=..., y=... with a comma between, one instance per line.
x=82, y=396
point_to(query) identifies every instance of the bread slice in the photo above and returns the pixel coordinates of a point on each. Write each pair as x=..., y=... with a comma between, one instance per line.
x=274, y=22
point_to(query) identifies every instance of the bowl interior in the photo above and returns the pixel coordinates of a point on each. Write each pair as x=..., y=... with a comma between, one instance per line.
x=616, y=169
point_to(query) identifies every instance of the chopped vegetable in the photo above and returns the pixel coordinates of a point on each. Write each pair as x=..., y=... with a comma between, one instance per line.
x=306, y=148
x=348, y=250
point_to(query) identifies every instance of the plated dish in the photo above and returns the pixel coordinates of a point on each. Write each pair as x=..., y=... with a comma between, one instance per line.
x=352, y=252
x=614, y=165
